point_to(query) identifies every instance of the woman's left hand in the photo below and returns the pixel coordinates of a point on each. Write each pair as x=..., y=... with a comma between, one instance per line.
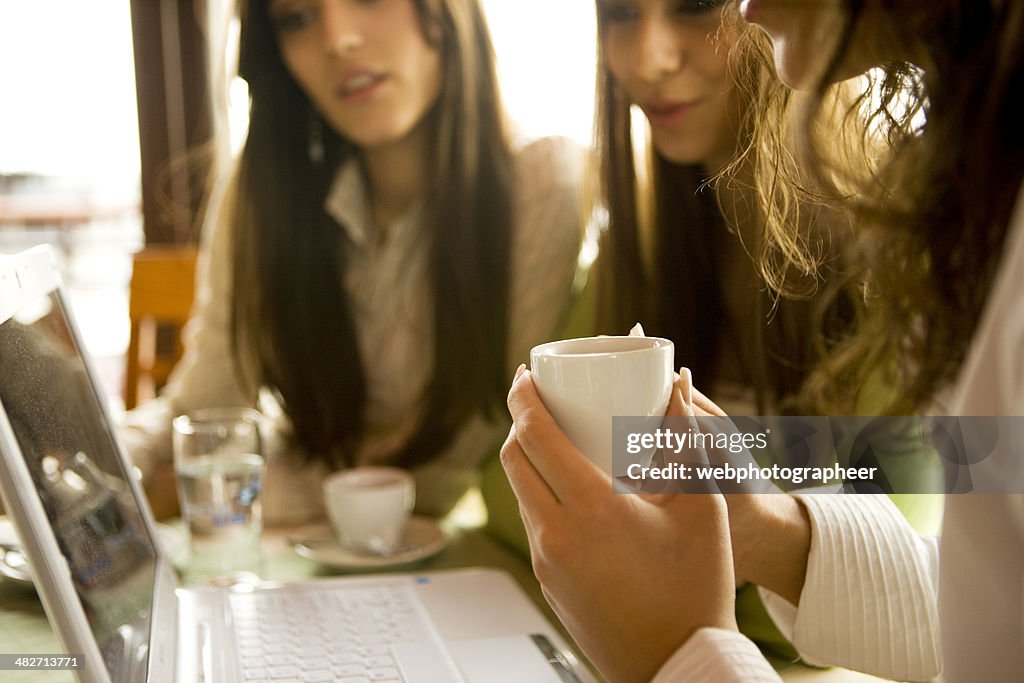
x=631, y=576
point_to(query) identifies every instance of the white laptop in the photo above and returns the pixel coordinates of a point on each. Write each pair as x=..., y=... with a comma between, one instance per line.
x=114, y=600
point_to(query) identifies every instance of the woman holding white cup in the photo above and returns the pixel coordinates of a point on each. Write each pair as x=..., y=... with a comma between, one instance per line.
x=963, y=65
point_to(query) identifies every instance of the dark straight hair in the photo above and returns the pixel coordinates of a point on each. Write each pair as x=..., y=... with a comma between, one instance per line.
x=292, y=322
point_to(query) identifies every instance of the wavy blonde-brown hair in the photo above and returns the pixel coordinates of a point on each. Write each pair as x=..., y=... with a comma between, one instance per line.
x=927, y=162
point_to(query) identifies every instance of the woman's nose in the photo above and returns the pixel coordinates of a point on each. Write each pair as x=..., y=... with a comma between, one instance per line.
x=659, y=50
x=342, y=34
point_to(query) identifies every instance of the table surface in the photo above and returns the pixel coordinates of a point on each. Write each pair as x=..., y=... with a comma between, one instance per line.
x=25, y=630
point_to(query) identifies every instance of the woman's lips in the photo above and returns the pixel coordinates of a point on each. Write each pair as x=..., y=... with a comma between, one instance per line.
x=664, y=114
x=359, y=86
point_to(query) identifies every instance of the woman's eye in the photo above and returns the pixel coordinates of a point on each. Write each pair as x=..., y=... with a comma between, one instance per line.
x=614, y=13
x=694, y=7
x=288, y=20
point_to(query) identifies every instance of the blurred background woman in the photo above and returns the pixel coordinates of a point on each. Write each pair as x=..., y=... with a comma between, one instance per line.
x=380, y=256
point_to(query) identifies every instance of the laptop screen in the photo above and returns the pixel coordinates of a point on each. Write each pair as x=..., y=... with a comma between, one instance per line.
x=74, y=464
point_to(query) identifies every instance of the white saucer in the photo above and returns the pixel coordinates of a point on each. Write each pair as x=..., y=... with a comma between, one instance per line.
x=423, y=539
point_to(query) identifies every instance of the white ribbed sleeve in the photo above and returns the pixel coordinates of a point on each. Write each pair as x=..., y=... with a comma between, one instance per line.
x=869, y=600
x=714, y=655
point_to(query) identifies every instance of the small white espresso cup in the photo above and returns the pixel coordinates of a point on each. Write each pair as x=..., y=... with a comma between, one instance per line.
x=586, y=382
x=369, y=507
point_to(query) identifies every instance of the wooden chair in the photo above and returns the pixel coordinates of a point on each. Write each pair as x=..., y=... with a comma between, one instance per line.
x=159, y=302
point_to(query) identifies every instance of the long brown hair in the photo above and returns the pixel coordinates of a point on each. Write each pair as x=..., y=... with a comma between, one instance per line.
x=679, y=294
x=292, y=321
x=932, y=217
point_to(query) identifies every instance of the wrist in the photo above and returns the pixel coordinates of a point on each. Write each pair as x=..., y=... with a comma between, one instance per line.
x=771, y=536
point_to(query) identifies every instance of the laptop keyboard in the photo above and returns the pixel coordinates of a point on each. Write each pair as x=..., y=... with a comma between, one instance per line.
x=347, y=635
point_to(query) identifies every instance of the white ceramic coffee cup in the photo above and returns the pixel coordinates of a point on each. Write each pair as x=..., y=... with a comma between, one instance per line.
x=369, y=507
x=586, y=382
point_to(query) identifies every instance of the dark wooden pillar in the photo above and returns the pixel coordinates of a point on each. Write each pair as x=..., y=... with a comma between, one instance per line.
x=175, y=118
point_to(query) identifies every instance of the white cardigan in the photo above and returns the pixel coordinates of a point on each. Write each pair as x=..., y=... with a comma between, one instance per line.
x=875, y=594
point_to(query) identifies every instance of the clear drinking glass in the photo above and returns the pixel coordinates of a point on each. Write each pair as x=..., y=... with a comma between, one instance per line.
x=218, y=460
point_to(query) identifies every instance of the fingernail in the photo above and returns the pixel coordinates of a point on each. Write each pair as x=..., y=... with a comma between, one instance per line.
x=687, y=381
x=520, y=370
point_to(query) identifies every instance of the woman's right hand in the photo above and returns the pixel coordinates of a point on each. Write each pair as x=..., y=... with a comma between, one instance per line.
x=631, y=576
